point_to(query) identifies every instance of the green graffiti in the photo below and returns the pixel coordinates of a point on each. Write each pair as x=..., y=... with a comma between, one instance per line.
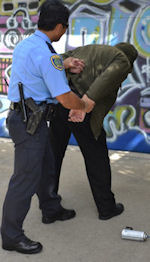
x=122, y=118
x=69, y=1
x=96, y=34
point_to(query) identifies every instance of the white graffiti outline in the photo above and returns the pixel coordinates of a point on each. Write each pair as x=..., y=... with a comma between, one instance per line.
x=26, y=23
x=123, y=129
x=102, y=16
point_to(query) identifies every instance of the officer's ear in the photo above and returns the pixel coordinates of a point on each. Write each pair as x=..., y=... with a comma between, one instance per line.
x=58, y=27
x=61, y=27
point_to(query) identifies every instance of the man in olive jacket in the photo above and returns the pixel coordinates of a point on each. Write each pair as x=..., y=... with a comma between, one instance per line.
x=106, y=67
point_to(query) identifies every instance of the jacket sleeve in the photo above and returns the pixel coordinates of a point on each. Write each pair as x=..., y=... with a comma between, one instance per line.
x=66, y=55
x=109, y=81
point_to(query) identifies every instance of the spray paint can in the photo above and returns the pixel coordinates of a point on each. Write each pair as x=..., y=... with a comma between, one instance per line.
x=129, y=233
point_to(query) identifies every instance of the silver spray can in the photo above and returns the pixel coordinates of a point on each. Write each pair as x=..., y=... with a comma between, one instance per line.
x=129, y=233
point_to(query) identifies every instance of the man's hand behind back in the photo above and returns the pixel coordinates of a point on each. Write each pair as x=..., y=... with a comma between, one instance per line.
x=76, y=115
x=79, y=115
x=75, y=65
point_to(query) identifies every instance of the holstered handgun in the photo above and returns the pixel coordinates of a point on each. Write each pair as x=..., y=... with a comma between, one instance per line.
x=35, y=115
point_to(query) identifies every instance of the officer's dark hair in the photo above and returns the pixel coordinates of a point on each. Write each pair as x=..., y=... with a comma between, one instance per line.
x=129, y=50
x=52, y=12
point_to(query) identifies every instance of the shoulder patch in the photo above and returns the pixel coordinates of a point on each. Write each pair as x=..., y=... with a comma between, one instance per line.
x=57, y=62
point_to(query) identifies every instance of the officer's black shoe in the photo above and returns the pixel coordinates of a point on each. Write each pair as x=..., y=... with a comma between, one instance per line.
x=117, y=210
x=25, y=246
x=62, y=215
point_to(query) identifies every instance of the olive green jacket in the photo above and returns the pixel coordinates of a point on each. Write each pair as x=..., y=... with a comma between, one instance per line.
x=106, y=67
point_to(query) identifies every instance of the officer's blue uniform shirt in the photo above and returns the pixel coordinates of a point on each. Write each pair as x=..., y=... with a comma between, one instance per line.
x=41, y=71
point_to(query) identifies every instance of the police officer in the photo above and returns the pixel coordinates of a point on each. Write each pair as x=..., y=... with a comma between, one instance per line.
x=106, y=67
x=37, y=66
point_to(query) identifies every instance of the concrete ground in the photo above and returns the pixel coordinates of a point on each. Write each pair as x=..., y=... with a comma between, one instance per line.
x=85, y=238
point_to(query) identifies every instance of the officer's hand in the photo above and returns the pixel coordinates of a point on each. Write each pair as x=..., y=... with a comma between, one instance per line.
x=89, y=103
x=76, y=115
x=75, y=65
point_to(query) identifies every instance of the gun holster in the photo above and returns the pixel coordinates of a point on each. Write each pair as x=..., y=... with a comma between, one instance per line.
x=35, y=115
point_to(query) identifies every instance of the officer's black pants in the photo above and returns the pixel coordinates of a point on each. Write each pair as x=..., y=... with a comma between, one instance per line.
x=95, y=155
x=33, y=166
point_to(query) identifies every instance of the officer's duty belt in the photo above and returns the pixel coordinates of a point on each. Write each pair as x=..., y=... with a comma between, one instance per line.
x=17, y=105
x=49, y=110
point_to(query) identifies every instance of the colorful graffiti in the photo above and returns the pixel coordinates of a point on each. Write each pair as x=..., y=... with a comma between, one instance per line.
x=17, y=20
x=92, y=22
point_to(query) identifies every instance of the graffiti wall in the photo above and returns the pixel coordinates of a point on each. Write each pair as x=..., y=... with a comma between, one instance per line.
x=17, y=20
x=92, y=22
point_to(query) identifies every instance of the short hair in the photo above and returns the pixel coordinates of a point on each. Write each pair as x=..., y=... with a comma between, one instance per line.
x=52, y=12
x=129, y=50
